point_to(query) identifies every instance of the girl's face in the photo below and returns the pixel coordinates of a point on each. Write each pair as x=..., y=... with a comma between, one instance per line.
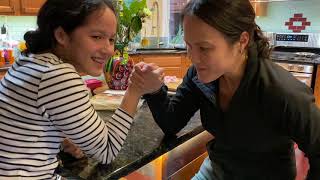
x=208, y=49
x=89, y=46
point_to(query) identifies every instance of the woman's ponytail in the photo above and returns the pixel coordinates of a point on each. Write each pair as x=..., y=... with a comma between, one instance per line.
x=262, y=43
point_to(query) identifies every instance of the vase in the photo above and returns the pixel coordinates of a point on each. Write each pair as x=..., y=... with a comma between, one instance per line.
x=118, y=70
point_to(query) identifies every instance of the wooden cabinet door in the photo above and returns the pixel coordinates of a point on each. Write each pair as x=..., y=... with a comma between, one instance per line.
x=170, y=62
x=173, y=64
x=163, y=60
x=8, y=7
x=30, y=7
x=135, y=58
x=317, y=87
x=172, y=71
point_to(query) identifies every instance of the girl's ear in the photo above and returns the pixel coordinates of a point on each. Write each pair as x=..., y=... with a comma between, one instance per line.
x=61, y=36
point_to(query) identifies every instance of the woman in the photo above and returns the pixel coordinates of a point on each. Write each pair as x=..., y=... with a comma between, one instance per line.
x=43, y=99
x=255, y=109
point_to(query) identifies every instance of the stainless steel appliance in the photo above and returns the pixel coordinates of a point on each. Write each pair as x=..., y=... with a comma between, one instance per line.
x=271, y=37
x=297, y=63
x=310, y=40
x=298, y=53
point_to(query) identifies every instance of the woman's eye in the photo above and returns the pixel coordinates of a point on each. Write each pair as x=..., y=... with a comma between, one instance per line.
x=203, y=49
x=97, y=37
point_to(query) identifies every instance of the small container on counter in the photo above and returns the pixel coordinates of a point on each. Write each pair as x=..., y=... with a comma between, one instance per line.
x=9, y=51
x=2, y=60
x=92, y=84
x=9, y=57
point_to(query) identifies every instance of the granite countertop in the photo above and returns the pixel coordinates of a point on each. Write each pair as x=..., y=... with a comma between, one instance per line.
x=158, y=51
x=5, y=67
x=146, y=51
x=145, y=142
x=314, y=63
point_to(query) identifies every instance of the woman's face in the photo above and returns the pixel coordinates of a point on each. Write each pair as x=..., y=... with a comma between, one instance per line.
x=209, y=51
x=89, y=46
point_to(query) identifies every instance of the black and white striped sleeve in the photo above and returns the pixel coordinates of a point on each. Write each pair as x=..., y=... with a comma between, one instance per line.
x=64, y=101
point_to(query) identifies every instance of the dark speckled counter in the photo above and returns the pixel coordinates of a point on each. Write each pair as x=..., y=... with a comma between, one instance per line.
x=158, y=51
x=144, y=143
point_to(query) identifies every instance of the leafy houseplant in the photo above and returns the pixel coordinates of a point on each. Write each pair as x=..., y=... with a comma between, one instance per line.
x=130, y=19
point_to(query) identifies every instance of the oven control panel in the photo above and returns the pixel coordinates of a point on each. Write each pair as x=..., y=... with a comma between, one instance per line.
x=292, y=37
x=311, y=40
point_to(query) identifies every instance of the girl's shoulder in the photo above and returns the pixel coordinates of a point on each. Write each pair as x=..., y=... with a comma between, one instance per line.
x=47, y=66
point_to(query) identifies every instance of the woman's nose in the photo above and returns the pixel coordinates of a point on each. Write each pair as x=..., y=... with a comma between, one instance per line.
x=195, y=57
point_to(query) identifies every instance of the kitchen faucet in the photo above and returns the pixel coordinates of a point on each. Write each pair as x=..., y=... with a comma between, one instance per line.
x=155, y=7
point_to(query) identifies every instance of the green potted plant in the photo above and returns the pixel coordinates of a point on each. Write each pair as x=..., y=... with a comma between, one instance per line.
x=130, y=19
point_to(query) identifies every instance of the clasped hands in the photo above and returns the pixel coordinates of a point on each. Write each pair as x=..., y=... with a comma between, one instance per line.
x=146, y=78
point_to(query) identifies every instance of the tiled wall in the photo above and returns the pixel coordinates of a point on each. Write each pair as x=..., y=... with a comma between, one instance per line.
x=18, y=25
x=280, y=12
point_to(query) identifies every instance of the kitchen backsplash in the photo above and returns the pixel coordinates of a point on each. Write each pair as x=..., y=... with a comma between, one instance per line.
x=18, y=25
x=280, y=12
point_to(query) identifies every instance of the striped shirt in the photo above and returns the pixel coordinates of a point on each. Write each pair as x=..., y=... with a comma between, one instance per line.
x=42, y=101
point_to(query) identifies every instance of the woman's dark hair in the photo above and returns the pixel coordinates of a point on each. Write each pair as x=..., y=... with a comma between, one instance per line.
x=68, y=14
x=231, y=18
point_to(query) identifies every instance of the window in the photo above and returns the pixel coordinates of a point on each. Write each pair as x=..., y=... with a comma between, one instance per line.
x=175, y=24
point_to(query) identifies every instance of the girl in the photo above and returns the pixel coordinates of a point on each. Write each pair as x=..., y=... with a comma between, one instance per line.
x=43, y=99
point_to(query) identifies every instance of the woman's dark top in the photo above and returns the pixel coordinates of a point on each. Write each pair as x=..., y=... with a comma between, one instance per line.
x=254, y=137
